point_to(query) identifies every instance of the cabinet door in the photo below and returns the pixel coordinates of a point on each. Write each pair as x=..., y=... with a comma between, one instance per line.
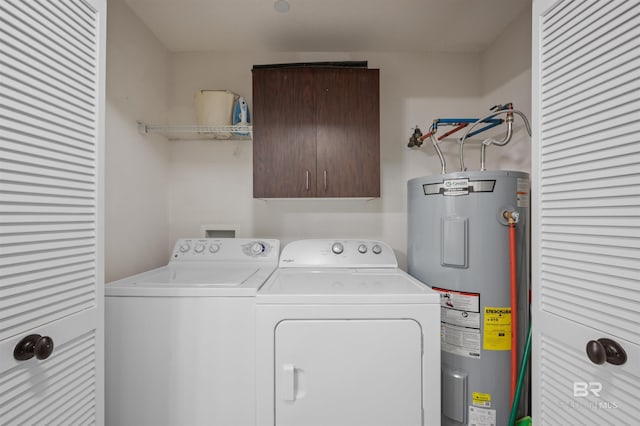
x=51, y=259
x=284, y=133
x=348, y=373
x=586, y=204
x=348, y=132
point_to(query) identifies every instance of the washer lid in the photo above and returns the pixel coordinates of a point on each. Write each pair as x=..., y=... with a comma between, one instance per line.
x=328, y=286
x=194, y=279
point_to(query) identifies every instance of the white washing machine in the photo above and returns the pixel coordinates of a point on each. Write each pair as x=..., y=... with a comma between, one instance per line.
x=346, y=338
x=180, y=340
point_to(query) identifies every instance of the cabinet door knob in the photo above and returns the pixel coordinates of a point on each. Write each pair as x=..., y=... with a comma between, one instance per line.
x=606, y=350
x=325, y=180
x=306, y=173
x=33, y=345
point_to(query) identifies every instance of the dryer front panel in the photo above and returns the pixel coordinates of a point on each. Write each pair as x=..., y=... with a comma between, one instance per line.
x=348, y=372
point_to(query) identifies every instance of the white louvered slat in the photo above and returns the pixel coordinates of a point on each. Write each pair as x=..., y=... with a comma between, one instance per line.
x=48, y=169
x=592, y=231
x=14, y=101
x=84, y=39
x=62, y=43
x=57, y=191
x=74, y=290
x=621, y=175
x=37, y=44
x=606, y=240
x=592, y=148
x=33, y=230
x=36, y=83
x=39, y=278
x=40, y=95
x=9, y=223
x=40, y=75
x=23, y=262
x=58, y=235
x=45, y=149
x=584, y=49
x=563, y=26
x=51, y=263
x=586, y=208
x=44, y=125
x=24, y=293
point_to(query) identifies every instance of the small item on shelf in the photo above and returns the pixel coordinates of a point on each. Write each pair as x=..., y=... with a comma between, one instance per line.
x=241, y=115
x=215, y=108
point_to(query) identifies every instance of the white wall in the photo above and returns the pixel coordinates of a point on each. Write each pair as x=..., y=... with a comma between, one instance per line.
x=136, y=225
x=210, y=182
x=506, y=77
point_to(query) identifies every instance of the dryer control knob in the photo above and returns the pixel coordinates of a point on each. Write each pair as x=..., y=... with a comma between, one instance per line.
x=362, y=248
x=376, y=249
x=199, y=248
x=257, y=248
x=185, y=248
x=214, y=248
x=337, y=248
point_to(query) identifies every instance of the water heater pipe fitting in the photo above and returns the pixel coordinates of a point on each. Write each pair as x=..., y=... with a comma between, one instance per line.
x=511, y=217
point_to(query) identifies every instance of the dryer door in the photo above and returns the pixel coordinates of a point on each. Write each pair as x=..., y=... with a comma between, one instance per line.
x=348, y=372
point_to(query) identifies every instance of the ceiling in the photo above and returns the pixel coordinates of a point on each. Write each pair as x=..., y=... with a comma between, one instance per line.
x=328, y=25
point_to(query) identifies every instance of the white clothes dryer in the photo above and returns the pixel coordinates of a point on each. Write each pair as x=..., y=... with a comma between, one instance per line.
x=346, y=338
x=180, y=340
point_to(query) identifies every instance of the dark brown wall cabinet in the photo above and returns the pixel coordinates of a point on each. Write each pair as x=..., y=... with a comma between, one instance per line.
x=316, y=132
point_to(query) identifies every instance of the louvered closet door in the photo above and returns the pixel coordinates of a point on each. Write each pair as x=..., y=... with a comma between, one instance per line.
x=586, y=210
x=51, y=269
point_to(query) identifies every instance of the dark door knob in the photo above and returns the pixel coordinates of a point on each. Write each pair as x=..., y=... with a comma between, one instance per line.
x=33, y=344
x=606, y=350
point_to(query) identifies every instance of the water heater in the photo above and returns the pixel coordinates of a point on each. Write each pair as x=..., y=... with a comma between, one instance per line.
x=459, y=244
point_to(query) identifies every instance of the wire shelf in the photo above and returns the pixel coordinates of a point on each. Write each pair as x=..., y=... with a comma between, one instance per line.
x=195, y=132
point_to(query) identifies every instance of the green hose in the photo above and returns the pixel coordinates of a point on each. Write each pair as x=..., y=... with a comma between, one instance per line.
x=523, y=372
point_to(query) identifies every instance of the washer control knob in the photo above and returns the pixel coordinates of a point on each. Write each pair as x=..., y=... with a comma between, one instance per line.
x=376, y=249
x=185, y=248
x=257, y=248
x=337, y=248
x=214, y=248
x=199, y=248
x=362, y=248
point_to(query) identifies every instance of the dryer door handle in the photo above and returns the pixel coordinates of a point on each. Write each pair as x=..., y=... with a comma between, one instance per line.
x=288, y=388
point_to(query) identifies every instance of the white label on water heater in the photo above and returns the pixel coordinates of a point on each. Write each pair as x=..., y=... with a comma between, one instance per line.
x=460, y=300
x=481, y=416
x=460, y=322
x=460, y=318
x=461, y=341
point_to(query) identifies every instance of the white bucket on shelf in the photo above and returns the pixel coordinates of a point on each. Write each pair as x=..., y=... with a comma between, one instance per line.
x=215, y=108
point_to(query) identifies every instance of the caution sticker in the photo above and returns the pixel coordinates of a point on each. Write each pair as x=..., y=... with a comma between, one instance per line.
x=497, y=329
x=482, y=399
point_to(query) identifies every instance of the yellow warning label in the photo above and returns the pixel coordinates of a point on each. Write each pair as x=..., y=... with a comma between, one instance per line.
x=497, y=329
x=477, y=396
x=481, y=399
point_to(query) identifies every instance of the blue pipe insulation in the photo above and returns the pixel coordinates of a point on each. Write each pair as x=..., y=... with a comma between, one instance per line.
x=465, y=120
x=475, y=132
